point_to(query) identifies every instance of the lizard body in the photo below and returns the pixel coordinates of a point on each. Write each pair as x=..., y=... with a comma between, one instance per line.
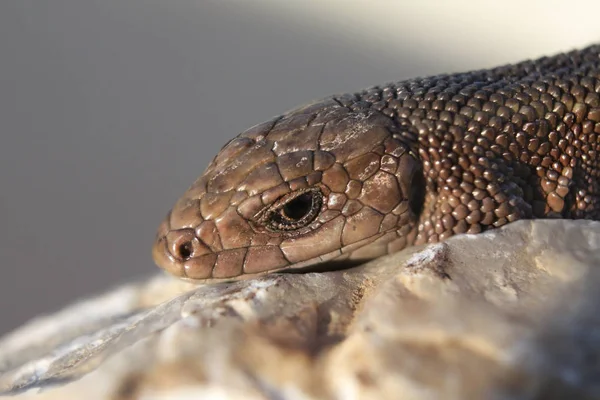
x=365, y=174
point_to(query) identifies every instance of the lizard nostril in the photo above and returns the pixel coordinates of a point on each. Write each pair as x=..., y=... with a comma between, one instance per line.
x=185, y=250
x=183, y=245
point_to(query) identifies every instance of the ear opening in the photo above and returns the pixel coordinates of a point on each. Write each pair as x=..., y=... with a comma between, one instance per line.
x=416, y=194
x=412, y=182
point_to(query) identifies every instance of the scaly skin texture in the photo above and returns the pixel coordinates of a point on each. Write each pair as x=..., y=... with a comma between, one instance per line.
x=361, y=175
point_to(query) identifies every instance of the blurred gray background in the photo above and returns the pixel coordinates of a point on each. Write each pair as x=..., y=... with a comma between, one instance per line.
x=110, y=108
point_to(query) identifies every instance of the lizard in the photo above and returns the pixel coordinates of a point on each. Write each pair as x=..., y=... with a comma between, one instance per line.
x=360, y=175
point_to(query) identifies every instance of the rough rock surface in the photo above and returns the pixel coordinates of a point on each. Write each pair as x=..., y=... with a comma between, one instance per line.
x=511, y=313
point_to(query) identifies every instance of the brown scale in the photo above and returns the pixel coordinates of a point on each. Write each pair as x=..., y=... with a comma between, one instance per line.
x=364, y=174
x=532, y=139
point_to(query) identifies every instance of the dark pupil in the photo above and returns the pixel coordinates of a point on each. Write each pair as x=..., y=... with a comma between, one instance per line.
x=299, y=207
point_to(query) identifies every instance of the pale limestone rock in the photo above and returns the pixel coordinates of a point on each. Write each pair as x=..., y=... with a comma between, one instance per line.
x=511, y=313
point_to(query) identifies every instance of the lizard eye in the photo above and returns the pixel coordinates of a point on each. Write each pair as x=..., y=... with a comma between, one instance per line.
x=294, y=211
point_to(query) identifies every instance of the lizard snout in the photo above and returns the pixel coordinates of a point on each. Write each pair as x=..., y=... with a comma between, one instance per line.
x=181, y=253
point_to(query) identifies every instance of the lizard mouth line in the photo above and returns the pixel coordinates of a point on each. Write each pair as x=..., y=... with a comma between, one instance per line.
x=329, y=260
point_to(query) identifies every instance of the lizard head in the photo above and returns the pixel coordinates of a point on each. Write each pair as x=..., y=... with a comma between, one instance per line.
x=319, y=183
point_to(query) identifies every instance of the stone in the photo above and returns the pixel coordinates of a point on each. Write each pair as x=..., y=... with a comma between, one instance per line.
x=508, y=313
